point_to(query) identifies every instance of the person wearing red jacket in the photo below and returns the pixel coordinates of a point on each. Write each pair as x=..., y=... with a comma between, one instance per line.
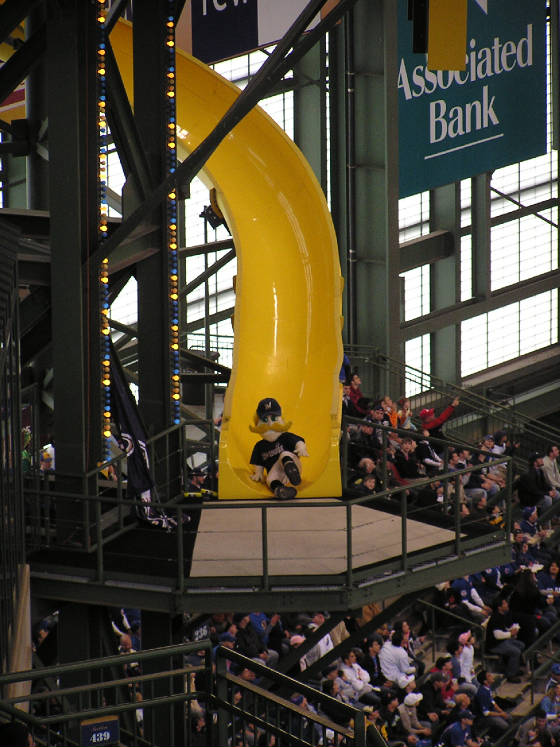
x=432, y=423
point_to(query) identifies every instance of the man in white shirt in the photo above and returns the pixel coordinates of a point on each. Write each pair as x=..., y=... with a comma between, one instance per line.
x=550, y=466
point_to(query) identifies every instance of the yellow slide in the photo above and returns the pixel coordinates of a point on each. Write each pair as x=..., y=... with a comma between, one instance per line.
x=287, y=322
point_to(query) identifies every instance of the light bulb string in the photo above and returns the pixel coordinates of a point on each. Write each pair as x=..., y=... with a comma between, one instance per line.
x=169, y=89
x=103, y=214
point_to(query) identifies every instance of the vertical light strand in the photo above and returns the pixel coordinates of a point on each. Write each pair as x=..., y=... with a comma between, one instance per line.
x=103, y=214
x=171, y=212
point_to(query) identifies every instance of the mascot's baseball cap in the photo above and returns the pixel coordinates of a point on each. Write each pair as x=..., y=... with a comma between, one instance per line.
x=268, y=406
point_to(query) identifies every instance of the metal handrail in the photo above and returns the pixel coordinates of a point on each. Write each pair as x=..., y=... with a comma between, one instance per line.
x=95, y=536
x=57, y=725
x=482, y=406
x=468, y=625
x=282, y=683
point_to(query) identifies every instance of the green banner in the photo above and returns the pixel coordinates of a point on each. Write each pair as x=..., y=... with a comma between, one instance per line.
x=455, y=124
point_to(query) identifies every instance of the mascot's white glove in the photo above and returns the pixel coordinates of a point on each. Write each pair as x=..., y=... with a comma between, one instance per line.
x=301, y=449
x=258, y=474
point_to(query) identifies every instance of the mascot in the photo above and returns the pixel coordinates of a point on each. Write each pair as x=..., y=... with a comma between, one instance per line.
x=278, y=452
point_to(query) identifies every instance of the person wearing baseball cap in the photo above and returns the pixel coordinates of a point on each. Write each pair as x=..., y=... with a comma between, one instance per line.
x=434, y=424
x=409, y=717
x=459, y=734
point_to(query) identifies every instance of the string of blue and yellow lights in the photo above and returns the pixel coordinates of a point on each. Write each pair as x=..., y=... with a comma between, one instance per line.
x=171, y=213
x=103, y=214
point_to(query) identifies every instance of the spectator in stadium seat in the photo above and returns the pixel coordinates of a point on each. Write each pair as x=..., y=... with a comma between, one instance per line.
x=533, y=488
x=526, y=604
x=411, y=645
x=408, y=710
x=523, y=555
x=554, y=678
x=249, y=644
x=459, y=733
x=390, y=411
x=433, y=707
x=535, y=731
x=456, y=646
x=490, y=715
x=358, y=677
x=466, y=656
x=404, y=414
x=470, y=597
x=551, y=704
x=548, y=581
x=362, y=442
x=406, y=462
x=462, y=703
x=391, y=722
x=534, y=533
x=371, y=662
x=427, y=456
x=550, y=466
x=359, y=402
x=501, y=637
x=434, y=424
x=266, y=627
x=395, y=663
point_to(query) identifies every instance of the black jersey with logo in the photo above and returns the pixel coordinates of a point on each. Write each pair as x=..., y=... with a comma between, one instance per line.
x=265, y=453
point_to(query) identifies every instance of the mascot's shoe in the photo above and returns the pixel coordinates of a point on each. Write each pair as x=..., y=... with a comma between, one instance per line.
x=292, y=472
x=284, y=492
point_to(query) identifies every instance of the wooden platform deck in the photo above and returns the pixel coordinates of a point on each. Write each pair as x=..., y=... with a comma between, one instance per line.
x=302, y=540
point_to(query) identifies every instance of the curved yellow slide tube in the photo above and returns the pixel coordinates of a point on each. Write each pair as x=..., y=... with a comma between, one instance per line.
x=287, y=322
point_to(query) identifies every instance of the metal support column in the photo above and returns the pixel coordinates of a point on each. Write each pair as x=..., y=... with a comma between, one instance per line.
x=71, y=74
x=149, y=34
x=481, y=236
x=445, y=281
x=310, y=125
x=376, y=178
x=164, y=725
x=36, y=102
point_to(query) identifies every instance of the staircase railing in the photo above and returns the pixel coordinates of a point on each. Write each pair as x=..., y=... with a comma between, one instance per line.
x=476, y=416
x=246, y=703
x=112, y=700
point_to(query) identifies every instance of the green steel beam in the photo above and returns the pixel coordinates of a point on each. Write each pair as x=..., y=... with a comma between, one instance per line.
x=284, y=595
x=310, y=133
x=445, y=281
x=426, y=250
x=469, y=309
x=71, y=67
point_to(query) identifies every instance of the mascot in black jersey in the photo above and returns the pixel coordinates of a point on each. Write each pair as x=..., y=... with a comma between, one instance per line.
x=278, y=452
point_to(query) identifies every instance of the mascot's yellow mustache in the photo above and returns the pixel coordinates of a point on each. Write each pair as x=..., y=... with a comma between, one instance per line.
x=264, y=427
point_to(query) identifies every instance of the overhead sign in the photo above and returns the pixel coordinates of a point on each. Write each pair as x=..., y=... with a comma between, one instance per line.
x=455, y=124
x=224, y=28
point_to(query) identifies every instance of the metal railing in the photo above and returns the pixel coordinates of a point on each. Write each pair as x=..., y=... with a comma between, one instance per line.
x=476, y=416
x=246, y=706
x=98, y=692
x=468, y=625
x=346, y=563
x=153, y=697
